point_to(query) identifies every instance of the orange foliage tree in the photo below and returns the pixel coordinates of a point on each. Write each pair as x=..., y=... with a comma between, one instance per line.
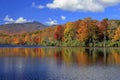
x=83, y=31
x=117, y=35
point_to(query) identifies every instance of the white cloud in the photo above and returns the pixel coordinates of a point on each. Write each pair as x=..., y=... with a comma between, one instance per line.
x=21, y=20
x=110, y=2
x=52, y=22
x=9, y=20
x=63, y=17
x=37, y=6
x=82, y=5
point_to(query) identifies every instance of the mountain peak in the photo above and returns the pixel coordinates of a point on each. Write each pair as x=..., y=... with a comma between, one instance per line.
x=20, y=28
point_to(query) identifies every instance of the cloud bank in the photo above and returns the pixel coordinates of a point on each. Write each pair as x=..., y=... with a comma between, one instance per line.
x=9, y=20
x=82, y=5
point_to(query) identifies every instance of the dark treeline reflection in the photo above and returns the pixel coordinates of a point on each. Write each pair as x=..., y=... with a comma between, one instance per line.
x=79, y=56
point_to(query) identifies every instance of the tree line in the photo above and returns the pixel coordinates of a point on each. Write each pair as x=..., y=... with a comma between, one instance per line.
x=86, y=32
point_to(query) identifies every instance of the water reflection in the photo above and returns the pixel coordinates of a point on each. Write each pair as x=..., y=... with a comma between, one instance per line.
x=80, y=56
x=59, y=64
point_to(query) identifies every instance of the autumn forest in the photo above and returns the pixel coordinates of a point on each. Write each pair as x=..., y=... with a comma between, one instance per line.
x=85, y=33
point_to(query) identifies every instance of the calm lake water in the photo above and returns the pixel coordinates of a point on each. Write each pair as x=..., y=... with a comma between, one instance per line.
x=59, y=64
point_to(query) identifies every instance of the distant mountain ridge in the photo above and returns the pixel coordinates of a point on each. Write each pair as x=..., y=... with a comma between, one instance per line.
x=20, y=28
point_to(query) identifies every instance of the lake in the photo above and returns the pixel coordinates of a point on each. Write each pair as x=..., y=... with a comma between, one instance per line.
x=59, y=63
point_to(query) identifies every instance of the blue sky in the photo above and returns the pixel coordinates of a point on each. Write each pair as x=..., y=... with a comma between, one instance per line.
x=57, y=11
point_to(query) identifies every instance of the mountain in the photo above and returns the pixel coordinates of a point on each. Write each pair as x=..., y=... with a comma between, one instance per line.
x=20, y=28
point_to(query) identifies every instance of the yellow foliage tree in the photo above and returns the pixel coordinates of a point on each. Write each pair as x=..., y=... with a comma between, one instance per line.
x=117, y=34
x=69, y=32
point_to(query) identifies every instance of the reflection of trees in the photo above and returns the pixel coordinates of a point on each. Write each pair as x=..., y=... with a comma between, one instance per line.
x=98, y=56
x=58, y=53
x=67, y=56
x=82, y=57
x=79, y=56
x=114, y=57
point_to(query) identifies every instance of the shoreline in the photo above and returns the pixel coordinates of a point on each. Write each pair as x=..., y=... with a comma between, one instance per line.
x=38, y=46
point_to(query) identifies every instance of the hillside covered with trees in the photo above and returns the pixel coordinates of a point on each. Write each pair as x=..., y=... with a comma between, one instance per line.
x=21, y=28
x=86, y=32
